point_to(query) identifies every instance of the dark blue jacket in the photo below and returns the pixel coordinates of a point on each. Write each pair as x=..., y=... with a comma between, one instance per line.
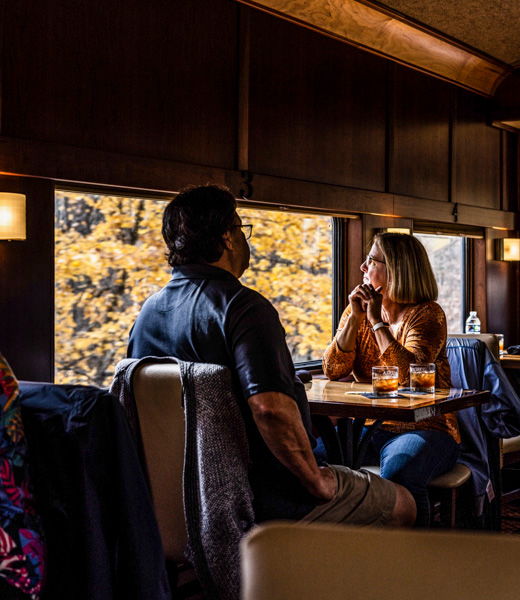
x=474, y=367
x=102, y=536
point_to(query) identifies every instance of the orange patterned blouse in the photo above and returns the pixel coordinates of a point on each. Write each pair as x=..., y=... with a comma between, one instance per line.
x=420, y=337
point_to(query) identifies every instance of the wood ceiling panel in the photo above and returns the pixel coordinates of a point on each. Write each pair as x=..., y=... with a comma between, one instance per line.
x=385, y=34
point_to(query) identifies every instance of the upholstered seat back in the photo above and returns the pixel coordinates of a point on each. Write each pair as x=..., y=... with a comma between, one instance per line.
x=158, y=395
x=333, y=562
x=490, y=339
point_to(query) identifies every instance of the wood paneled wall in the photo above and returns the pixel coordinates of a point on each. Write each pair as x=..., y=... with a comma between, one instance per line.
x=419, y=144
x=27, y=276
x=155, y=79
x=161, y=94
x=476, y=154
x=191, y=87
x=316, y=112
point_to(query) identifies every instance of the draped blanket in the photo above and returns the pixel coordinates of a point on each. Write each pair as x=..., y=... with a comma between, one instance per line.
x=217, y=495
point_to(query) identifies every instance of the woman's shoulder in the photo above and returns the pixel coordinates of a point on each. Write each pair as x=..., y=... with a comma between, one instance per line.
x=429, y=307
x=427, y=313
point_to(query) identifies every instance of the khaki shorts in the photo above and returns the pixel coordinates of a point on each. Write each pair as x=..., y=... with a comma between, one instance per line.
x=362, y=499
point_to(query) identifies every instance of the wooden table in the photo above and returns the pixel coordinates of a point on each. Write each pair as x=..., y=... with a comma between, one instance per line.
x=511, y=365
x=510, y=361
x=343, y=400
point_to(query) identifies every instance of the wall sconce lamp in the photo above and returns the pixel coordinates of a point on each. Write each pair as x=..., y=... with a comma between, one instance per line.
x=396, y=230
x=508, y=249
x=12, y=216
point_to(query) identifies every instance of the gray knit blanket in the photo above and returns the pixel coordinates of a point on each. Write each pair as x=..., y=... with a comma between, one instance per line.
x=218, y=501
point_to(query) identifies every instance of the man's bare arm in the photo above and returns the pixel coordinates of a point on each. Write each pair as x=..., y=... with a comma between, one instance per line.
x=279, y=422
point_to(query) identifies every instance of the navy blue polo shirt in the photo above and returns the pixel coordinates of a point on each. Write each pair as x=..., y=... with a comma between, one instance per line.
x=205, y=314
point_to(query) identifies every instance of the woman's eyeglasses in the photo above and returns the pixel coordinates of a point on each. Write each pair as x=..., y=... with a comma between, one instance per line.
x=370, y=260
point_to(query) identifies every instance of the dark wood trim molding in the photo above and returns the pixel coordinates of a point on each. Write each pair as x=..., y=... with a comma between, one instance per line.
x=84, y=166
x=244, y=44
x=479, y=281
x=508, y=119
x=69, y=165
x=443, y=212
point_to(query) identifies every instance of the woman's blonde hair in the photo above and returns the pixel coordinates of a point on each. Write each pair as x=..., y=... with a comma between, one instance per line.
x=410, y=275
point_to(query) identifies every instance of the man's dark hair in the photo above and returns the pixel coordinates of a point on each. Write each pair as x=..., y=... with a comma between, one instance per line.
x=194, y=223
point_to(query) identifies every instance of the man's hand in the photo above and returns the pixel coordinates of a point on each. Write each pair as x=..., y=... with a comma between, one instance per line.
x=326, y=486
x=280, y=424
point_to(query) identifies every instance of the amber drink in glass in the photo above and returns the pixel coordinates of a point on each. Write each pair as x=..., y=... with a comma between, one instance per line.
x=385, y=381
x=422, y=378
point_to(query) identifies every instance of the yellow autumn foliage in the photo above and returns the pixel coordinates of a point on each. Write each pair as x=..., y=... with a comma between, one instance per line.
x=110, y=257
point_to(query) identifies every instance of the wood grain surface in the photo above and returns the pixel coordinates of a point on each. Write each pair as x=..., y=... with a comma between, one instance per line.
x=383, y=33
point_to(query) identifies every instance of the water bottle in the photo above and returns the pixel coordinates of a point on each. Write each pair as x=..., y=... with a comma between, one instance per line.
x=473, y=322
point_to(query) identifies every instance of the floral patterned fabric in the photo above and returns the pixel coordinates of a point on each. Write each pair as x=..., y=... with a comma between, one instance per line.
x=21, y=547
x=419, y=338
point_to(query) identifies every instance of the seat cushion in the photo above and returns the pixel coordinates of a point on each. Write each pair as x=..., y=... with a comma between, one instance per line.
x=454, y=478
x=451, y=479
x=511, y=445
x=490, y=339
x=158, y=396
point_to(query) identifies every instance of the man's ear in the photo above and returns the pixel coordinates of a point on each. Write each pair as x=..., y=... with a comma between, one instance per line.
x=228, y=241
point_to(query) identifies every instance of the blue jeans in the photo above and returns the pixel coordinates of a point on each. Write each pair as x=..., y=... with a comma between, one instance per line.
x=413, y=459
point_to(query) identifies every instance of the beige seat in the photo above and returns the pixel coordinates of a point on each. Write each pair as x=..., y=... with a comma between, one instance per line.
x=158, y=395
x=445, y=488
x=510, y=469
x=443, y=492
x=318, y=561
x=510, y=463
x=510, y=448
x=490, y=339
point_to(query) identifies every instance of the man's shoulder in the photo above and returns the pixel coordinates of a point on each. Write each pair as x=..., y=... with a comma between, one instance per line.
x=250, y=297
x=150, y=301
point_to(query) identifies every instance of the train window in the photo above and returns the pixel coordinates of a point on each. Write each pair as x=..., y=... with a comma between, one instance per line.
x=110, y=256
x=446, y=253
x=291, y=265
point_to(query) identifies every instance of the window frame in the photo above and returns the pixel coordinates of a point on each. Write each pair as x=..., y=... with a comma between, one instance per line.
x=469, y=234
x=339, y=255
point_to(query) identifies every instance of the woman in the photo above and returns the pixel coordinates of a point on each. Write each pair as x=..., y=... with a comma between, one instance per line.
x=393, y=319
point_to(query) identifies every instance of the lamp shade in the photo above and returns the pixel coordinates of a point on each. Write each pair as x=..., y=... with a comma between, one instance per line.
x=508, y=249
x=12, y=216
x=396, y=230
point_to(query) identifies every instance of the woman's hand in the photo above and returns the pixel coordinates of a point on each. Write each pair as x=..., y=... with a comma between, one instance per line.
x=374, y=305
x=357, y=301
x=365, y=300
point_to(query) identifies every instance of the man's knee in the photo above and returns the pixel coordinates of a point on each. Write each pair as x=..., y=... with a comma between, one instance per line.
x=405, y=510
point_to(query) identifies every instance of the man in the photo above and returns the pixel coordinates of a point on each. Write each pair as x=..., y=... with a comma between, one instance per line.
x=205, y=314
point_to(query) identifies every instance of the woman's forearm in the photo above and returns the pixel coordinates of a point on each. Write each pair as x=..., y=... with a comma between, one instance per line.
x=338, y=360
x=346, y=338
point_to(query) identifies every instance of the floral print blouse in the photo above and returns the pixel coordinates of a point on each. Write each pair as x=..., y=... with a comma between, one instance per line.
x=21, y=546
x=420, y=337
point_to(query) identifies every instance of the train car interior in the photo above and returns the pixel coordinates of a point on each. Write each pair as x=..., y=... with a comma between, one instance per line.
x=339, y=127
